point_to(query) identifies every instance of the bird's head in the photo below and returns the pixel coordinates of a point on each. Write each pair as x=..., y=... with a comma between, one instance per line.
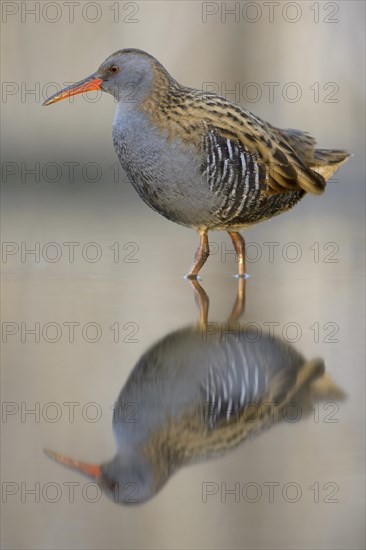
x=126, y=74
x=124, y=480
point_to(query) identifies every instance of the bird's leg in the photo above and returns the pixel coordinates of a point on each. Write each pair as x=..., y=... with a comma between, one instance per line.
x=239, y=245
x=201, y=256
x=239, y=305
x=202, y=302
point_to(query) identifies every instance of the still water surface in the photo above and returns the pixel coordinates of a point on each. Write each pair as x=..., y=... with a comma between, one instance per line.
x=117, y=323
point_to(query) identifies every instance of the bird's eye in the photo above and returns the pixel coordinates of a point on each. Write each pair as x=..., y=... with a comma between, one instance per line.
x=114, y=69
x=113, y=485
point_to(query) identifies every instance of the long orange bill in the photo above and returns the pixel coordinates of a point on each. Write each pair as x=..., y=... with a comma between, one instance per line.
x=90, y=83
x=90, y=470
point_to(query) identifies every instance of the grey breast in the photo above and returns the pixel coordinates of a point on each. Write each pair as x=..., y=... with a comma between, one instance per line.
x=166, y=174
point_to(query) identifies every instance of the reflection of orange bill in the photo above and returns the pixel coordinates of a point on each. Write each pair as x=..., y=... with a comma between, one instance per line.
x=86, y=85
x=90, y=470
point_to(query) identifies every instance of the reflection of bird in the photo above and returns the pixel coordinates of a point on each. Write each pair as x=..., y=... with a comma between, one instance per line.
x=200, y=160
x=197, y=393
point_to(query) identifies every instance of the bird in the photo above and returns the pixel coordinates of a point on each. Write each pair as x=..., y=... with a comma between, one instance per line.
x=196, y=394
x=200, y=160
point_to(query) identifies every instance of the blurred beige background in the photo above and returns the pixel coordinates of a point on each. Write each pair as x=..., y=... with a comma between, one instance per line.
x=305, y=52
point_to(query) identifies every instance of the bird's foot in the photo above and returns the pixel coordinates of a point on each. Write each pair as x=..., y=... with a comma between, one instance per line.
x=193, y=277
x=242, y=276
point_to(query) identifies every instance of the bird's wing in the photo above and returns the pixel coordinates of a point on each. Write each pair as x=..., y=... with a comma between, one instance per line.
x=259, y=152
x=301, y=142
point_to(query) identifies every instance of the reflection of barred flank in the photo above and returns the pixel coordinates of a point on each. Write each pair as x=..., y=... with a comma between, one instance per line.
x=197, y=435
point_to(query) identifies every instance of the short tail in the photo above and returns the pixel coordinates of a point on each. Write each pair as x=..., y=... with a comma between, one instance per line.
x=326, y=390
x=327, y=161
x=323, y=161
